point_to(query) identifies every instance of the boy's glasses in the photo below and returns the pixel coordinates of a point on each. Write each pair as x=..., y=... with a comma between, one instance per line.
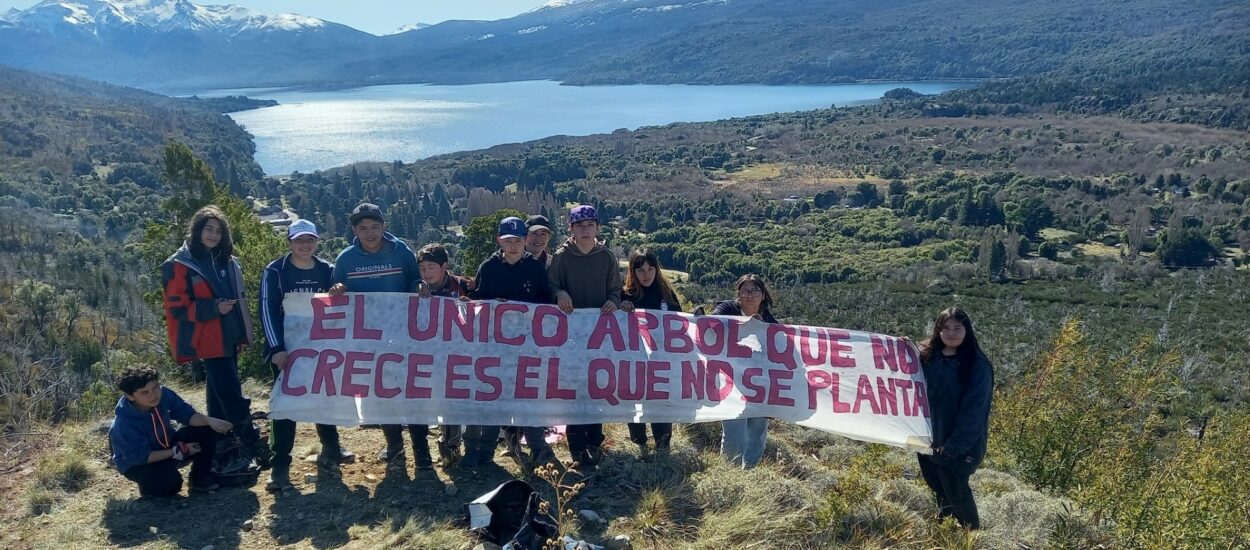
x=752, y=292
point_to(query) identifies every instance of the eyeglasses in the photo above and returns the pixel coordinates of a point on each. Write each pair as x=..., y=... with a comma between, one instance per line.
x=750, y=292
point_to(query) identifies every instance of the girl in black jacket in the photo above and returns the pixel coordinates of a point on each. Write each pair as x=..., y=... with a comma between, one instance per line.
x=960, y=385
x=647, y=288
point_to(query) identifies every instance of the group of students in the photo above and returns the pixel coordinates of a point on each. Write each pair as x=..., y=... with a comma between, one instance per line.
x=208, y=321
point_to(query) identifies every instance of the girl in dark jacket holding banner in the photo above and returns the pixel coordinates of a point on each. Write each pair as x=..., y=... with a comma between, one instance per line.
x=647, y=288
x=743, y=439
x=207, y=319
x=960, y=386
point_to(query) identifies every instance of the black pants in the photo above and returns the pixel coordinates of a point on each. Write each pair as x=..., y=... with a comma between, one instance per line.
x=583, y=437
x=954, y=496
x=394, y=434
x=282, y=438
x=161, y=479
x=224, y=394
x=661, y=431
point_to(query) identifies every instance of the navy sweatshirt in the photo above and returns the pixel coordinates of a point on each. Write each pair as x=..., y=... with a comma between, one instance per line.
x=524, y=281
x=280, y=277
x=135, y=433
x=959, y=407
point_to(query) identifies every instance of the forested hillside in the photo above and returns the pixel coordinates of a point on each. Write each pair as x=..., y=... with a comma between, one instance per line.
x=1094, y=220
x=90, y=149
x=1088, y=45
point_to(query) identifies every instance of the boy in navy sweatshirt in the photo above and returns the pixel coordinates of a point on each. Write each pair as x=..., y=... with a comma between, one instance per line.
x=147, y=450
x=300, y=270
x=512, y=273
x=377, y=261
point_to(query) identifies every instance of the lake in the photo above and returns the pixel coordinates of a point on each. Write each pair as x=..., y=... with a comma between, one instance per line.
x=323, y=129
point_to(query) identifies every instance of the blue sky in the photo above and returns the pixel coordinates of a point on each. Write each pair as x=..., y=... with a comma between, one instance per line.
x=375, y=16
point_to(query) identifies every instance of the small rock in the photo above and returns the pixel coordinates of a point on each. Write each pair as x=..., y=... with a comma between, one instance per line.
x=590, y=515
x=310, y=478
x=371, y=477
x=152, y=529
x=451, y=490
x=247, y=526
x=310, y=458
x=619, y=542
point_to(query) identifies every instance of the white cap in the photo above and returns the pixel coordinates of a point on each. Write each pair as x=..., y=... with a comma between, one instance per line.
x=301, y=227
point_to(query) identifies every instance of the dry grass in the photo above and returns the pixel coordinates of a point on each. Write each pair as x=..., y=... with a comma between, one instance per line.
x=814, y=490
x=755, y=172
x=1055, y=234
x=1099, y=249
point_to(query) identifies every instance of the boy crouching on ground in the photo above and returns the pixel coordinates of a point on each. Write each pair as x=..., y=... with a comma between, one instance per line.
x=147, y=450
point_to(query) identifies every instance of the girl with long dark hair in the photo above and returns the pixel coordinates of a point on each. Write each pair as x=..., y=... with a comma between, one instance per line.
x=646, y=287
x=207, y=319
x=960, y=386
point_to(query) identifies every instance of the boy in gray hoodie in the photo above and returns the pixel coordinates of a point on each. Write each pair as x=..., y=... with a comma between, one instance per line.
x=585, y=274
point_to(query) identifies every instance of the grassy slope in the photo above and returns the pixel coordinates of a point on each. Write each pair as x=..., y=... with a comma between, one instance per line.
x=815, y=490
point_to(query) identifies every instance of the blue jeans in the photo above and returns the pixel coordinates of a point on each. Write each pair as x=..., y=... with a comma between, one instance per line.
x=742, y=440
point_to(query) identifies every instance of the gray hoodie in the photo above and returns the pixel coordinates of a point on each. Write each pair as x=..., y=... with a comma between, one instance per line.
x=589, y=279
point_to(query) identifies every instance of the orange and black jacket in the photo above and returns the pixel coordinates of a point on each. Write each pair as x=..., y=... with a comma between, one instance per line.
x=192, y=320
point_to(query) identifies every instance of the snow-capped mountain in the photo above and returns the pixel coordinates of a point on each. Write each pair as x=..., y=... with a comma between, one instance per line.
x=410, y=27
x=177, y=45
x=94, y=16
x=174, y=42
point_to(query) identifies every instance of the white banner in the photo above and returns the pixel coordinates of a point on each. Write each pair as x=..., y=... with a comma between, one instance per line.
x=391, y=358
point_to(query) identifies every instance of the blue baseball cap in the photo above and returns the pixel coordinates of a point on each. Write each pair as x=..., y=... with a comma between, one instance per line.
x=583, y=212
x=299, y=228
x=512, y=226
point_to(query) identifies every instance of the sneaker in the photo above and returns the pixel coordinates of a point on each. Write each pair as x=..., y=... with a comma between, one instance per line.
x=204, y=486
x=346, y=457
x=279, y=480
x=263, y=454
x=388, y=456
x=331, y=460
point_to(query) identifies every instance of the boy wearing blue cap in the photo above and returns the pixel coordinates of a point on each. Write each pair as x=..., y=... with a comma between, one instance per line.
x=585, y=274
x=300, y=270
x=513, y=274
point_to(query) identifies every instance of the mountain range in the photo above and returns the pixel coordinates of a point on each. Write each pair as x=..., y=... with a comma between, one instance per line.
x=175, y=44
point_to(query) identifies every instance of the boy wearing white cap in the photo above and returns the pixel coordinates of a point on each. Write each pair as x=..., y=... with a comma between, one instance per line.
x=300, y=270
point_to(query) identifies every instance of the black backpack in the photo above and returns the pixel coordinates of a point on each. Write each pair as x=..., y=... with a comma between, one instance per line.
x=515, y=518
x=234, y=465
